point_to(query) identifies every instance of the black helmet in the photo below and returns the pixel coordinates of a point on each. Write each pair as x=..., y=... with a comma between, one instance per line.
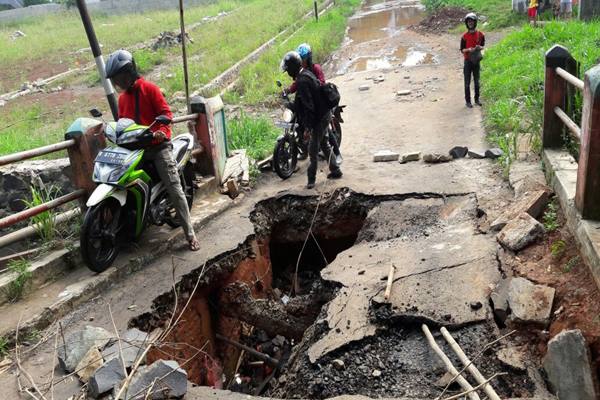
x=472, y=17
x=120, y=61
x=291, y=63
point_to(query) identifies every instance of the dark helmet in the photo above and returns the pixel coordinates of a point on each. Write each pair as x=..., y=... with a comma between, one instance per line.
x=120, y=61
x=472, y=17
x=291, y=63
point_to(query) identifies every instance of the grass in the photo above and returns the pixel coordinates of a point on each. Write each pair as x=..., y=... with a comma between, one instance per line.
x=497, y=13
x=550, y=217
x=16, y=288
x=45, y=222
x=257, y=80
x=557, y=248
x=572, y=263
x=67, y=34
x=255, y=134
x=513, y=76
x=3, y=346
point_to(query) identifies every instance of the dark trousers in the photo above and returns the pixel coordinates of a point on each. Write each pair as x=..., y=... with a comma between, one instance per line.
x=334, y=144
x=475, y=69
x=318, y=139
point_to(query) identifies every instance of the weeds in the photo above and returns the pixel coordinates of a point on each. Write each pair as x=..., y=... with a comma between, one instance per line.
x=3, y=346
x=550, y=217
x=572, y=263
x=557, y=249
x=45, y=223
x=16, y=288
x=255, y=134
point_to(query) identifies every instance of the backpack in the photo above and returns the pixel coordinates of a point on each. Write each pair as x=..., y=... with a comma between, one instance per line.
x=330, y=95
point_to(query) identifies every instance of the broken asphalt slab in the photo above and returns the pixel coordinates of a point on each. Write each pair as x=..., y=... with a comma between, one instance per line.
x=78, y=343
x=520, y=232
x=532, y=203
x=529, y=303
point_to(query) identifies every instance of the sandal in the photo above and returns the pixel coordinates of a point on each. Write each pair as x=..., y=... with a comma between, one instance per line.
x=194, y=245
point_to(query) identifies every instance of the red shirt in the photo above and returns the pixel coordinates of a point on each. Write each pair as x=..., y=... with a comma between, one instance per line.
x=317, y=70
x=470, y=40
x=152, y=103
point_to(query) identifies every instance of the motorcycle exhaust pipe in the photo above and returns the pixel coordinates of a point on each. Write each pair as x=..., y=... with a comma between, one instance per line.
x=91, y=34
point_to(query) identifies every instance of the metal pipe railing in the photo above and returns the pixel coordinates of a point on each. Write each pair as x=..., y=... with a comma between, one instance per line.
x=572, y=79
x=40, y=151
x=569, y=123
x=32, y=212
x=184, y=118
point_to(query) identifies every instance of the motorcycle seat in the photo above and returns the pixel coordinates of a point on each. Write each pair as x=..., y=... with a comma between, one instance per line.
x=180, y=145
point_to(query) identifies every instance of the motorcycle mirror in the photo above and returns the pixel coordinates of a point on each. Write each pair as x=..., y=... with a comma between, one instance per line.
x=163, y=119
x=95, y=113
x=279, y=84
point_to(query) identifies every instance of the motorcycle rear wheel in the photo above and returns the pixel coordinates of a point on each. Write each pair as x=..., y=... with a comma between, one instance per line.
x=98, y=239
x=285, y=157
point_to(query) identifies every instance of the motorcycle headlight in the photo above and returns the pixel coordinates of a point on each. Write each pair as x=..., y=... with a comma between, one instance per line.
x=107, y=173
x=288, y=115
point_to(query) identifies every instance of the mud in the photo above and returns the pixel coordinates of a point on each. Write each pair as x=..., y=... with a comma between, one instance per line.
x=441, y=20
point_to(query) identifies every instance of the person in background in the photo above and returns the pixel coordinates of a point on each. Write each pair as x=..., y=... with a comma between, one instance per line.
x=142, y=101
x=566, y=9
x=532, y=11
x=471, y=44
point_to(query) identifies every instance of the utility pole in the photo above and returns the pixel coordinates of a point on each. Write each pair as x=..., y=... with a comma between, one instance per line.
x=91, y=34
x=316, y=11
x=184, y=55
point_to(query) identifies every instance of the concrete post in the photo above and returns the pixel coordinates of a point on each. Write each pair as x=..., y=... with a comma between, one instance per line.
x=589, y=9
x=89, y=140
x=556, y=93
x=204, y=161
x=587, y=196
x=519, y=6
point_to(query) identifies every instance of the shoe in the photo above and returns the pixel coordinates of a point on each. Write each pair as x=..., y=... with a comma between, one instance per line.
x=310, y=185
x=339, y=160
x=469, y=105
x=478, y=103
x=335, y=175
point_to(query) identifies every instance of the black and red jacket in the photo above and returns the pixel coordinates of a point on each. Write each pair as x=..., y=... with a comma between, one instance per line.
x=470, y=40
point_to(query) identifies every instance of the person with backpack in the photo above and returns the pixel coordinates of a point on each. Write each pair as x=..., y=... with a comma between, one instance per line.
x=305, y=52
x=142, y=101
x=471, y=46
x=314, y=115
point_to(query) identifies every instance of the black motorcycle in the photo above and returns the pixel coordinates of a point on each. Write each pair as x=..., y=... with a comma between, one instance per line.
x=292, y=145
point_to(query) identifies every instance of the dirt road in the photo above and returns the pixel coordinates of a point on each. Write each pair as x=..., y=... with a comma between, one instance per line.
x=421, y=217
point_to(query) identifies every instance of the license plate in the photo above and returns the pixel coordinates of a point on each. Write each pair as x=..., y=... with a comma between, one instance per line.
x=109, y=157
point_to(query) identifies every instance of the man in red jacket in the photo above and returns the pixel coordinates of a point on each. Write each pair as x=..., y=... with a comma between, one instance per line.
x=471, y=44
x=142, y=101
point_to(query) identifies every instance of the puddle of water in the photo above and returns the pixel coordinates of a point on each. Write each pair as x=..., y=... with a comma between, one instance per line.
x=416, y=57
x=376, y=24
x=409, y=57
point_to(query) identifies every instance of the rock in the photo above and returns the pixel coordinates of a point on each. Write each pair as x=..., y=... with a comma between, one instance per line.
x=170, y=380
x=106, y=378
x=385, y=155
x=379, y=79
x=408, y=157
x=494, y=153
x=435, y=158
x=499, y=298
x=78, y=343
x=364, y=88
x=478, y=154
x=376, y=373
x=89, y=364
x=405, y=92
x=532, y=203
x=529, y=303
x=458, y=151
x=526, y=177
x=520, y=232
x=513, y=357
x=568, y=366
x=445, y=380
x=233, y=189
x=338, y=364
x=132, y=344
x=406, y=76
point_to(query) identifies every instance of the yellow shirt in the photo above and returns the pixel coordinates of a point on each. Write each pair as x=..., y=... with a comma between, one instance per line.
x=533, y=3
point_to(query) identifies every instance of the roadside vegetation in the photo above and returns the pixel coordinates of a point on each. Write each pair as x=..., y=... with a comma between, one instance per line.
x=497, y=13
x=17, y=286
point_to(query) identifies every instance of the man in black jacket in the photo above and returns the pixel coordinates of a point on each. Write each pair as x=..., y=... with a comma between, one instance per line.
x=312, y=114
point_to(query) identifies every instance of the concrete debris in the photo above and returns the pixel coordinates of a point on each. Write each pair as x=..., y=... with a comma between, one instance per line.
x=532, y=203
x=77, y=345
x=364, y=88
x=232, y=189
x=379, y=79
x=408, y=157
x=513, y=357
x=445, y=380
x=529, y=303
x=520, y=232
x=568, y=366
x=132, y=345
x=17, y=34
x=494, y=153
x=434, y=158
x=169, y=39
x=106, y=378
x=338, y=364
x=385, y=155
x=89, y=364
x=477, y=154
x=165, y=377
x=237, y=168
x=406, y=92
x=459, y=151
x=526, y=177
x=376, y=373
x=499, y=298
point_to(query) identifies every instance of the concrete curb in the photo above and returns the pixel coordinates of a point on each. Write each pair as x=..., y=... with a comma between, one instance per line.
x=561, y=174
x=90, y=287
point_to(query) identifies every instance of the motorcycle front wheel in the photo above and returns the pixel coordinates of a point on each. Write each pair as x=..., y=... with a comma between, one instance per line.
x=285, y=157
x=98, y=239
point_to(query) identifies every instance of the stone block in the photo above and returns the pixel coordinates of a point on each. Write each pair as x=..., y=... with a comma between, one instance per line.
x=520, y=232
x=385, y=155
x=529, y=303
x=532, y=203
x=78, y=343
